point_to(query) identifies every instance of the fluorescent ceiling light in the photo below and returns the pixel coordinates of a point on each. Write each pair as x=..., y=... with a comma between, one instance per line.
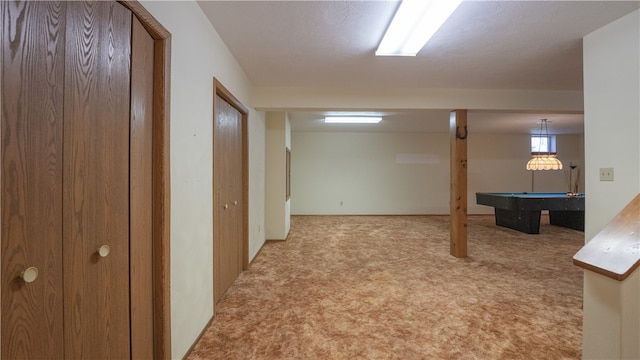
x=352, y=119
x=413, y=25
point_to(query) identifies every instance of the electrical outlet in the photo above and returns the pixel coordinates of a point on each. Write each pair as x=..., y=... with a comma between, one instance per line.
x=606, y=174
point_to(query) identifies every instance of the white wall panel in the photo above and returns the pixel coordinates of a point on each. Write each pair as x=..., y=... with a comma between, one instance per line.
x=408, y=173
x=611, y=325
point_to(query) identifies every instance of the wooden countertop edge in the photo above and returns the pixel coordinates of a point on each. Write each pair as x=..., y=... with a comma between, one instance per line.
x=608, y=273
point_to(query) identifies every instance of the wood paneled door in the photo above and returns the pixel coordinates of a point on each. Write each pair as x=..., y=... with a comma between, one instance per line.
x=230, y=244
x=77, y=196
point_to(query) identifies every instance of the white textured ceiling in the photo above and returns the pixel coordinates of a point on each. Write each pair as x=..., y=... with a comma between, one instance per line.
x=484, y=45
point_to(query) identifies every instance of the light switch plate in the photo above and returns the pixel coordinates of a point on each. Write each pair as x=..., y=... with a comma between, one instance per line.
x=606, y=174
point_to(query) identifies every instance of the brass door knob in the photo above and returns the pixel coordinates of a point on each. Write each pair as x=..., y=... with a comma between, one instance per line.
x=30, y=274
x=104, y=250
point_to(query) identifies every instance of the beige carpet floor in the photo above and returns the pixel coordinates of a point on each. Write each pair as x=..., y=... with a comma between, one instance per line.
x=385, y=287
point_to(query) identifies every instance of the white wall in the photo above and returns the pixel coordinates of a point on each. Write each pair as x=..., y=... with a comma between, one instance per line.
x=612, y=116
x=611, y=326
x=357, y=173
x=256, y=182
x=360, y=170
x=198, y=55
x=368, y=99
x=277, y=207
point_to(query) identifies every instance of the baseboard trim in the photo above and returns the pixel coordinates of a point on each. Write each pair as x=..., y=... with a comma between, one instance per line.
x=186, y=355
x=258, y=252
x=347, y=215
x=354, y=215
x=262, y=247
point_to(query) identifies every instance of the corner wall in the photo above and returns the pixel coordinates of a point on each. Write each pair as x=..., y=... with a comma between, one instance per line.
x=611, y=326
x=256, y=138
x=197, y=55
x=612, y=118
x=277, y=206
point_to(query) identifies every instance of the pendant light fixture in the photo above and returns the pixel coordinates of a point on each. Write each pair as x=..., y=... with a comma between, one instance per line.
x=544, y=160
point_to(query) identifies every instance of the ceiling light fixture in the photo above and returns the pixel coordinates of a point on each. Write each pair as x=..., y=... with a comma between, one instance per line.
x=413, y=25
x=544, y=160
x=352, y=119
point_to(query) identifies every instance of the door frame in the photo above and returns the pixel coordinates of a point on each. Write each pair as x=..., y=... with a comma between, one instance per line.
x=220, y=90
x=161, y=216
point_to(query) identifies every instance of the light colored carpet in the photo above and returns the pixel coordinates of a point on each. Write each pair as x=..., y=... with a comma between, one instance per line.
x=385, y=287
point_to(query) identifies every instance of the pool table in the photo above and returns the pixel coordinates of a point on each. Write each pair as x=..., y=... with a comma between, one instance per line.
x=521, y=211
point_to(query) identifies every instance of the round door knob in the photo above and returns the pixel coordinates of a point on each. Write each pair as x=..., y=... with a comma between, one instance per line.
x=226, y=206
x=104, y=250
x=30, y=274
x=235, y=202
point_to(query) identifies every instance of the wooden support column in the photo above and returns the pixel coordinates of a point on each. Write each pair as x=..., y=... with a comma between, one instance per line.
x=458, y=203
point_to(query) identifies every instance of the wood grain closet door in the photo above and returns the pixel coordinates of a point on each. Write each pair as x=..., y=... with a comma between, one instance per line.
x=141, y=184
x=227, y=199
x=66, y=176
x=235, y=172
x=31, y=176
x=96, y=181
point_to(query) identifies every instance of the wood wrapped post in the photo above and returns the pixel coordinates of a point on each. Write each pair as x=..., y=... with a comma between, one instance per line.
x=458, y=203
